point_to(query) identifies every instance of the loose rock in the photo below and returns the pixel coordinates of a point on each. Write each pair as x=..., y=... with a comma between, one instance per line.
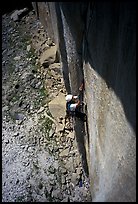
x=64, y=153
x=28, y=48
x=51, y=169
x=17, y=58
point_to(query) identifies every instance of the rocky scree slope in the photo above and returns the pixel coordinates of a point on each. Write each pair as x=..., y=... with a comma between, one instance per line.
x=40, y=162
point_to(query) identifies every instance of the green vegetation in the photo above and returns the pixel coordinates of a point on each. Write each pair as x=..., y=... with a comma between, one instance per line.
x=20, y=198
x=36, y=103
x=31, y=54
x=15, y=98
x=10, y=67
x=47, y=124
x=43, y=92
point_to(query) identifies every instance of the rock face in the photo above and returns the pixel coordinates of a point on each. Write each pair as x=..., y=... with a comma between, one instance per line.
x=109, y=77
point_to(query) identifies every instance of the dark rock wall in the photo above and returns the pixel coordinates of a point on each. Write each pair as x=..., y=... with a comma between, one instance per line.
x=97, y=41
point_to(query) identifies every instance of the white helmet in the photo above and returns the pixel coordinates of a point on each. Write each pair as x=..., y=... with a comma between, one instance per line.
x=68, y=97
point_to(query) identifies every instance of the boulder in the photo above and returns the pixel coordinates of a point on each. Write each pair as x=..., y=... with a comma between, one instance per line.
x=16, y=15
x=65, y=152
x=57, y=106
x=48, y=56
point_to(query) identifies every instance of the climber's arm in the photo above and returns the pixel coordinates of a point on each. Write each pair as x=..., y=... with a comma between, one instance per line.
x=81, y=87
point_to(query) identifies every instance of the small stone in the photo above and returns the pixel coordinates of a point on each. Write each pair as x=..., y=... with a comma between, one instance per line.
x=20, y=103
x=52, y=182
x=40, y=185
x=53, y=125
x=49, y=42
x=28, y=48
x=51, y=170
x=68, y=178
x=6, y=141
x=63, y=170
x=56, y=149
x=41, y=110
x=51, y=133
x=65, y=200
x=9, y=52
x=38, y=85
x=17, y=58
x=34, y=82
x=69, y=164
x=46, y=64
x=64, y=152
x=57, y=194
x=51, y=148
x=28, y=77
x=16, y=134
x=17, y=181
x=84, y=192
x=38, y=76
x=26, y=164
x=71, y=135
x=19, y=122
x=5, y=108
x=79, y=170
x=74, y=178
x=48, y=190
x=19, y=116
x=63, y=180
x=61, y=118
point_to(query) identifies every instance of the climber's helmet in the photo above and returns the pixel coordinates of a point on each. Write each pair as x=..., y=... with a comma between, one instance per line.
x=69, y=97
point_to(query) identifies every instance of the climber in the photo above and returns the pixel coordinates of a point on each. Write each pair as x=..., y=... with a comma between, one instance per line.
x=73, y=105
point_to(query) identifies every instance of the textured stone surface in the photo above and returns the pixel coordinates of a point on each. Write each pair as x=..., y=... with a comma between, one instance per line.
x=48, y=56
x=58, y=106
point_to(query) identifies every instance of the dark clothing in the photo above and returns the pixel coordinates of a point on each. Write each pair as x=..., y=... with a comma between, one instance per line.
x=77, y=113
x=80, y=115
x=68, y=107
